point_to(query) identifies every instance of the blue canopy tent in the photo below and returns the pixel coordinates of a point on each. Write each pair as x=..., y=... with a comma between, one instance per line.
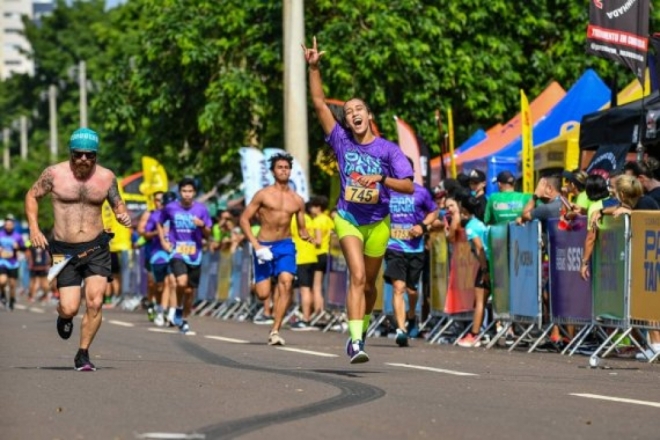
x=587, y=95
x=477, y=137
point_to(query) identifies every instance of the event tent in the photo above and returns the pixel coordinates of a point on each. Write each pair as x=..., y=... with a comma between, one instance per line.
x=588, y=94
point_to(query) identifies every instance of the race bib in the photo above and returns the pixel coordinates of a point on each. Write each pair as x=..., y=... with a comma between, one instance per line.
x=58, y=258
x=399, y=233
x=186, y=248
x=360, y=194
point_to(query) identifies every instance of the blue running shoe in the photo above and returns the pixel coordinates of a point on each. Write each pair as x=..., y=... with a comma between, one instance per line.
x=401, y=338
x=355, y=350
x=184, y=327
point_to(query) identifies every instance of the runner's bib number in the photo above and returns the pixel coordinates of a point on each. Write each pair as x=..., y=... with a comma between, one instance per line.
x=399, y=233
x=360, y=194
x=5, y=253
x=186, y=248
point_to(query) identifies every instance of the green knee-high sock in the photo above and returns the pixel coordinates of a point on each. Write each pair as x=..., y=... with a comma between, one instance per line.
x=355, y=329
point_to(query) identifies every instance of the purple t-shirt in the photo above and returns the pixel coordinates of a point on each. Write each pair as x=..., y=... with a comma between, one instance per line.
x=407, y=210
x=357, y=204
x=157, y=255
x=9, y=241
x=184, y=235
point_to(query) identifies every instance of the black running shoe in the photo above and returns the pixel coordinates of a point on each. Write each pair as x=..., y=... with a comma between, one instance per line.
x=64, y=327
x=82, y=362
x=12, y=301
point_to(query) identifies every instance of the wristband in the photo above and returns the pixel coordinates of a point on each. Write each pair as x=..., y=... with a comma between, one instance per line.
x=535, y=197
x=382, y=179
x=424, y=227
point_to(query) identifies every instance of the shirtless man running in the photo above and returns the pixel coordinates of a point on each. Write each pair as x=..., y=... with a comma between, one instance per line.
x=274, y=251
x=79, y=187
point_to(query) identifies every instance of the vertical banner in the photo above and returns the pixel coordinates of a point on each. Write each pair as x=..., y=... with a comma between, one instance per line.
x=439, y=270
x=608, y=268
x=462, y=273
x=410, y=147
x=570, y=295
x=525, y=270
x=450, y=131
x=154, y=179
x=499, y=268
x=618, y=30
x=255, y=171
x=527, y=144
x=645, y=266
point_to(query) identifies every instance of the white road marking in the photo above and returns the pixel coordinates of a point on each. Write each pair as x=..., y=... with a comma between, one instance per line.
x=232, y=340
x=313, y=353
x=120, y=323
x=617, y=399
x=20, y=307
x=434, y=370
x=33, y=310
x=167, y=330
x=169, y=436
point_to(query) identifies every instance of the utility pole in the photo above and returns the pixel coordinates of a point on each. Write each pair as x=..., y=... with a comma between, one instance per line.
x=296, y=140
x=52, y=110
x=82, y=85
x=24, y=137
x=6, y=133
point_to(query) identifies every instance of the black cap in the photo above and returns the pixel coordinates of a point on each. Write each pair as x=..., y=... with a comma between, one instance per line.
x=577, y=178
x=505, y=177
x=477, y=176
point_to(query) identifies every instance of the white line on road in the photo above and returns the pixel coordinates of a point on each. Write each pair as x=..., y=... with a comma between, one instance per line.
x=167, y=330
x=434, y=370
x=169, y=436
x=232, y=340
x=313, y=353
x=20, y=307
x=120, y=323
x=617, y=399
x=33, y=310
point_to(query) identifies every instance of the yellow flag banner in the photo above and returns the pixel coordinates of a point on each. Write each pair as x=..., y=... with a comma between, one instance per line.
x=154, y=179
x=527, y=144
x=450, y=131
x=122, y=239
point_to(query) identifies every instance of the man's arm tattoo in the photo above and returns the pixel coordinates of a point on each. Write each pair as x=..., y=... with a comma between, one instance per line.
x=44, y=184
x=113, y=195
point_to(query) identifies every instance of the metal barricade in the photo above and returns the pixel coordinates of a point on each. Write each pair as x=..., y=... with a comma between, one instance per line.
x=570, y=295
x=500, y=283
x=525, y=260
x=645, y=272
x=336, y=286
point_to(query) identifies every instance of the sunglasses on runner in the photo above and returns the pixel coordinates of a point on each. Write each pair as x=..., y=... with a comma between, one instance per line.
x=90, y=155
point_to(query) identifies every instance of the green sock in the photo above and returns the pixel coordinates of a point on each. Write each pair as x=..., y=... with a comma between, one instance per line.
x=365, y=322
x=355, y=329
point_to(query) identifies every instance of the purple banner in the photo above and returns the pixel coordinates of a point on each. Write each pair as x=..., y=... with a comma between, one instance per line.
x=570, y=295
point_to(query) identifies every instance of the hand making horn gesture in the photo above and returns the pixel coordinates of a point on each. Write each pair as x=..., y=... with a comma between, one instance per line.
x=312, y=56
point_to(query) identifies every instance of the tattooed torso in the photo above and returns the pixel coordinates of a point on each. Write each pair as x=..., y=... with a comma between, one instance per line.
x=77, y=204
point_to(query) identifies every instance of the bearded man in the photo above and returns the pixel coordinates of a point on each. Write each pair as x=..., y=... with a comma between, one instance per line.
x=79, y=245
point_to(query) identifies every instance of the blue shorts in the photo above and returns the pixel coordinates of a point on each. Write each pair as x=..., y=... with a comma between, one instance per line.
x=284, y=260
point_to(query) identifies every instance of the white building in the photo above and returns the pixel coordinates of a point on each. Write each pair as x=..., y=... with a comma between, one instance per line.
x=11, y=39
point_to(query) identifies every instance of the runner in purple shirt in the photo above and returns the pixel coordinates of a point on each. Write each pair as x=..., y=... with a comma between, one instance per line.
x=10, y=242
x=369, y=168
x=190, y=223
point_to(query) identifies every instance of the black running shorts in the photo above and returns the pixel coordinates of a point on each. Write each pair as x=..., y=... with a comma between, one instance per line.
x=402, y=266
x=96, y=262
x=180, y=267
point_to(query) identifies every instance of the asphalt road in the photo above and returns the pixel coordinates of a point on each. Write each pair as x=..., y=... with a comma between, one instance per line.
x=225, y=382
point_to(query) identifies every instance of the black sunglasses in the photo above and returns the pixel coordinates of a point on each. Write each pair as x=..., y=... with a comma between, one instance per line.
x=87, y=154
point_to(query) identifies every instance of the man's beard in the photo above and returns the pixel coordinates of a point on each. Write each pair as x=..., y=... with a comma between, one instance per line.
x=82, y=169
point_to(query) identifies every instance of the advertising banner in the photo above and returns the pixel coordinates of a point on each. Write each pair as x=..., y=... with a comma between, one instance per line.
x=336, y=275
x=463, y=271
x=645, y=266
x=570, y=295
x=608, y=268
x=618, y=30
x=208, y=281
x=499, y=268
x=224, y=275
x=525, y=269
x=439, y=271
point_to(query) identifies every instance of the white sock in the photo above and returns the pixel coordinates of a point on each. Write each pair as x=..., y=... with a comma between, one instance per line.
x=170, y=314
